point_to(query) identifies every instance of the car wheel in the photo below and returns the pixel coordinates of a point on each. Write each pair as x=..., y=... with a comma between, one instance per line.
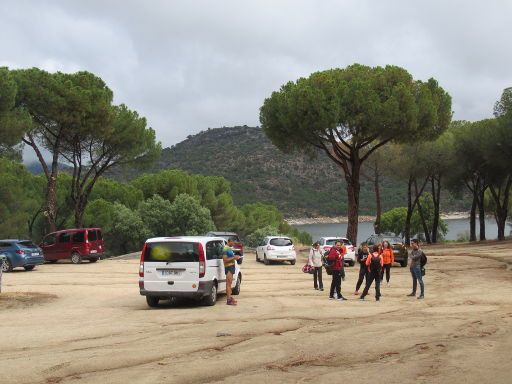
x=29, y=267
x=257, y=257
x=265, y=260
x=293, y=262
x=351, y=263
x=236, y=290
x=403, y=264
x=76, y=258
x=211, y=299
x=93, y=260
x=152, y=301
x=7, y=266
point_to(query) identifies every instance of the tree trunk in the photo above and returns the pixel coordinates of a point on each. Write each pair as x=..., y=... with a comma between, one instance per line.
x=436, y=197
x=501, y=200
x=353, y=189
x=376, y=225
x=481, y=214
x=424, y=224
x=472, y=218
x=501, y=220
x=407, y=229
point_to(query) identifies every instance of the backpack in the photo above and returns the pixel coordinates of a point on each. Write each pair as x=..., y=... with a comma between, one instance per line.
x=423, y=260
x=374, y=263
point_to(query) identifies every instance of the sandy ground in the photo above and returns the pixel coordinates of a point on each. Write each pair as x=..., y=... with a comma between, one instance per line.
x=86, y=323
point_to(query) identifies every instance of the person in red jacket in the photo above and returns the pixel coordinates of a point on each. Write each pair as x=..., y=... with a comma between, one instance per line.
x=388, y=258
x=335, y=257
x=374, y=261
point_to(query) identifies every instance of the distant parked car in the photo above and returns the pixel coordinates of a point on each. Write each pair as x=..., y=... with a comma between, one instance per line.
x=276, y=248
x=238, y=248
x=326, y=243
x=396, y=243
x=20, y=253
x=75, y=244
x=239, y=245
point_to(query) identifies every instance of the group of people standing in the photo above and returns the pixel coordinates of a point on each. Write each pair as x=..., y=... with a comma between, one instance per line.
x=374, y=263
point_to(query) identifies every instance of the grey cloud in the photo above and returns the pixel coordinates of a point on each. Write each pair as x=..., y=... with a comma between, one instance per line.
x=189, y=65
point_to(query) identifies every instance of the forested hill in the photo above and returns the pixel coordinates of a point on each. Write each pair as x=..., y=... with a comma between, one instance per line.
x=259, y=172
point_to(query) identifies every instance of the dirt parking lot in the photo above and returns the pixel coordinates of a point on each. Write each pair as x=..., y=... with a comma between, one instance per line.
x=87, y=323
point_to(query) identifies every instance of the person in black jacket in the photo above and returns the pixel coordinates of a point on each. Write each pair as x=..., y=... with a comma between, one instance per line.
x=362, y=254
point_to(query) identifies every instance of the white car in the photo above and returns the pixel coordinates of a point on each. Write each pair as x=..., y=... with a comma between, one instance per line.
x=186, y=266
x=276, y=248
x=326, y=243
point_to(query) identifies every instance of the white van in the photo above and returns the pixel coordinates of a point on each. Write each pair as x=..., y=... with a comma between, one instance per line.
x=184, y=266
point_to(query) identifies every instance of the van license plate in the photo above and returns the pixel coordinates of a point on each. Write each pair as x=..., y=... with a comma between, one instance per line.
x=94, y=251
x=170, y=273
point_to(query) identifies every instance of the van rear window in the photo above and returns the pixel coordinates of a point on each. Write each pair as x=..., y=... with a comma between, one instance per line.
x=92, y=235
x=175, y=252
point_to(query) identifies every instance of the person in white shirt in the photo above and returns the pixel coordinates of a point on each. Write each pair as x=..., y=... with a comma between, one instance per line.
x=315, y=260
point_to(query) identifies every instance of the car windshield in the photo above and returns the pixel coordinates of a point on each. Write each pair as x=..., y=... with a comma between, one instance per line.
x=227, y=237
x=334, y=241
x=27, y=244
x=175, y=252
x=281, y=242
x=393, y=240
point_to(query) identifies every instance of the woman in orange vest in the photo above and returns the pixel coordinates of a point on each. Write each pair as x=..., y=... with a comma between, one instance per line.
x=388, y=258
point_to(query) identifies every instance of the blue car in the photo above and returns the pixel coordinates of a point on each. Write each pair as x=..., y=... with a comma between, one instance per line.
x=20, y=253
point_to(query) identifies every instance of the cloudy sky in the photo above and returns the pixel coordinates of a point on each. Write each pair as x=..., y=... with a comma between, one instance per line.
x=189, y=65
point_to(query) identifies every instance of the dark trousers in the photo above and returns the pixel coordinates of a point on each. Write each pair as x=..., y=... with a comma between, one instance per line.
x=416, y=276
x=363, y=276
x=317, y=278
x=387, y=268
x=372, y=276
x=335, y=284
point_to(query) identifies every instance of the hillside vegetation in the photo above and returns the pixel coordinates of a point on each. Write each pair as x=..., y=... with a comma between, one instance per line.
x=298, y=185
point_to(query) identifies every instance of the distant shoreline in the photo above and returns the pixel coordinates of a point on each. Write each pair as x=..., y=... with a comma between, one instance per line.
x=362, y=219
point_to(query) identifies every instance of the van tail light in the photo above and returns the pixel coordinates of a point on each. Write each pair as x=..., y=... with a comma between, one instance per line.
x=293, y=247
x=202, y=261
x=20, y=251
x=270, y=248
x=351, y=248
x=141, y=266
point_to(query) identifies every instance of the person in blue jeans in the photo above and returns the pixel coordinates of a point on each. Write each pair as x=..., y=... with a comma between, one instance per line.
x=415, y=257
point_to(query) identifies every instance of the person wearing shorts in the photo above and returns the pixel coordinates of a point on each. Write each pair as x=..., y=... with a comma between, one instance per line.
x=229, y=258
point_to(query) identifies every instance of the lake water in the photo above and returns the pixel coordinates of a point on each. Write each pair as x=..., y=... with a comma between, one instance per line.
x=455, y=227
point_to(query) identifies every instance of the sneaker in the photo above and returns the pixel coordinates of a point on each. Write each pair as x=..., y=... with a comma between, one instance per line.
x=316, y=289
x=377, y=299
x=331, y=297
x=361, y=299
x=341, y=298
x=411, y=294
x=321, y=289
x=356, y=293
x=231, y=302
x=421, y=297
x=388, y=285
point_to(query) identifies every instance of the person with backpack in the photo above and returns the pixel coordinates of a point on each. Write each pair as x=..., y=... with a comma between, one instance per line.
x=315, y=260
x=335, y=258
x=374, y=263
x=417, y=260
x=362, y=254
x=389, y=259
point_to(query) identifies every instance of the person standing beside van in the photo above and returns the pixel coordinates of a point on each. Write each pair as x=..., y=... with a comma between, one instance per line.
x=374, y=263
x=336, y=256
x=388, y=258
x=362, y=254
x=229, y=258
x=415, y=257
x=315, y=260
